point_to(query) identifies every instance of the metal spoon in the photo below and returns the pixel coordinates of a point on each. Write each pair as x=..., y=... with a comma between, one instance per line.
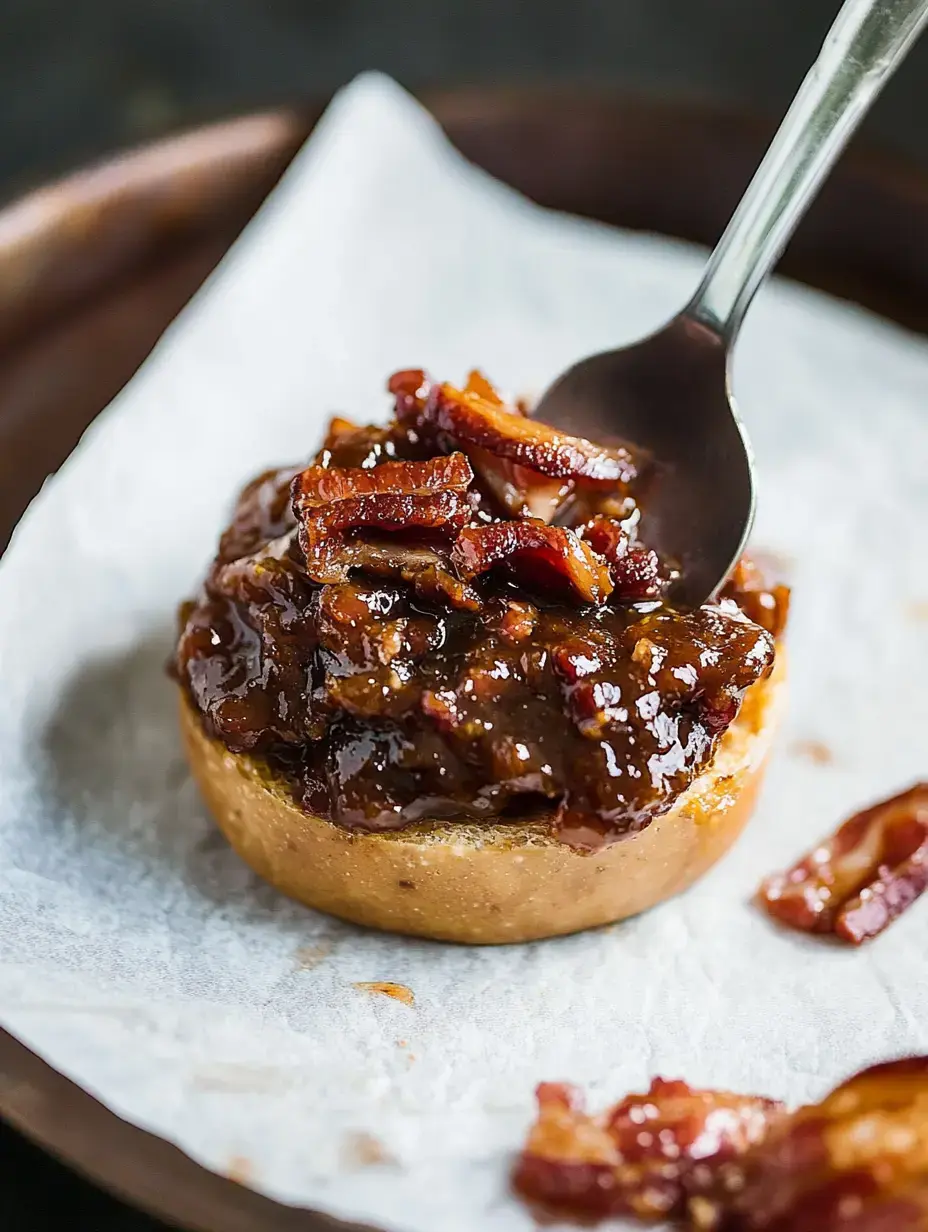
x=671, y=393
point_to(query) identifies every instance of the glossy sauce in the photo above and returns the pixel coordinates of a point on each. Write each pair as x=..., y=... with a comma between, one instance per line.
x=405, y=692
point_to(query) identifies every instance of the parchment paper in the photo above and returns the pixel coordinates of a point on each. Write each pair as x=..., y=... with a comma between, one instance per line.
x=142, y=959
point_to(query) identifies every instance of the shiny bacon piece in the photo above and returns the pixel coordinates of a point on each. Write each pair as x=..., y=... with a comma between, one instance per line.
x=330, y=502
x=410, y=388
x=321, y=485
x=520, y=491
x=536, y=551
x=648, y=1156
x=856, y=1162
x=858, y=881
x=636, y=569
x=470, y=418
x=323, y=532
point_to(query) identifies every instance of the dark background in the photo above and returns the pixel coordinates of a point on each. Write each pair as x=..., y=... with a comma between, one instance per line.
x=78, y=79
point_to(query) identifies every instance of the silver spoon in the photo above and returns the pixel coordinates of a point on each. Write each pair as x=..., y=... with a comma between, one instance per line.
x=671, y=393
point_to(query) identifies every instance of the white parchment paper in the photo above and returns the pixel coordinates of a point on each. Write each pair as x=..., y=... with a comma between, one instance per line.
x=140, y=957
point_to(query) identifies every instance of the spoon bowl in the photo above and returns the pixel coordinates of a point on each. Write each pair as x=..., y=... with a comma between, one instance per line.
x=670, y=394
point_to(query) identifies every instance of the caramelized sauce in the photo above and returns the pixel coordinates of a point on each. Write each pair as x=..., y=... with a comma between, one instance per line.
x=413, y=688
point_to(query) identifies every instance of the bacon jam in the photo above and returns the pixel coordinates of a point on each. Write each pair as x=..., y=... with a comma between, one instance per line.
x=455, y=616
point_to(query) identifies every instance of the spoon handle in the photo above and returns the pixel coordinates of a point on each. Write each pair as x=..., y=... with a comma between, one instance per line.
x=866, y=44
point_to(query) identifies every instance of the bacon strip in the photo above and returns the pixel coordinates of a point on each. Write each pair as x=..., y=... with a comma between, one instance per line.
x=530, y=545
x=323, y=531
x=647, y=1157
x=856, y=1162
x=521, y=492
x=469, y=417
x=321, y=485
x=330, y=502
x=862, y=878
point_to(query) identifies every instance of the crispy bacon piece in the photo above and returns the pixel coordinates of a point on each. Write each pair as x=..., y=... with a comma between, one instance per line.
x=329, y=555
x=469, y=417
x=521, y=492
x=859, y=880
x=534, y=548
x=636, y=570
x=648, y=1156
x=330, y=502
x=410, y=388
x=857, y=1162
x=322, y=485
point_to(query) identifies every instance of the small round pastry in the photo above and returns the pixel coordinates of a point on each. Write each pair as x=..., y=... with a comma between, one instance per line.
x=479, y=882
x=432, y=683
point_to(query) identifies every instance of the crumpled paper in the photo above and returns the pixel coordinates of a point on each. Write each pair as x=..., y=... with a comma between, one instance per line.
x=140, y=957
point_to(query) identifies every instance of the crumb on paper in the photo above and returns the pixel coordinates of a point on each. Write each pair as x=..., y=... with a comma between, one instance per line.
x=399, y=992
x=364, y=1150
x=240, y=1170
x=815, y=751
x=917, y=611
x=308, y=957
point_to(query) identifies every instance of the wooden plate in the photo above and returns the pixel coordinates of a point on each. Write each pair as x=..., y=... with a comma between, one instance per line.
x=92, y=270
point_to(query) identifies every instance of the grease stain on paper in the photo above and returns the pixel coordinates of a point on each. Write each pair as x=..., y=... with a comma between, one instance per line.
x=308, y=957
x=815, y=751
x=364, y=1150
x=399, y=992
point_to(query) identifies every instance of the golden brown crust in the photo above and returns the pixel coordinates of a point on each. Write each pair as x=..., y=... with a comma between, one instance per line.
x=482, y=883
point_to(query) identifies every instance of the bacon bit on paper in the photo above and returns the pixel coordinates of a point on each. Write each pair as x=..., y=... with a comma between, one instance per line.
x=856, y=1162
x=859, y=880
x=648, y=1156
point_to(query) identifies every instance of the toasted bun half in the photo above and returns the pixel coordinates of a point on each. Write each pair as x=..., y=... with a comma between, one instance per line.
x=485, y=883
